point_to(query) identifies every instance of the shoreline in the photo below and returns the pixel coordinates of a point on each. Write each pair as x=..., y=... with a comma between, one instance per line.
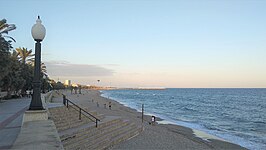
x=158, y=136
x=161, y=121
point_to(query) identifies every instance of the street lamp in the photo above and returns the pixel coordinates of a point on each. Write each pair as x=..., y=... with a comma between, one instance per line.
x=38, y=33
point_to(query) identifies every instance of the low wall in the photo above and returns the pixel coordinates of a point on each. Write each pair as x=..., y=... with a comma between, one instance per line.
x=40, y=134
x=37, y=131
x=48, y=96
x=3, y=94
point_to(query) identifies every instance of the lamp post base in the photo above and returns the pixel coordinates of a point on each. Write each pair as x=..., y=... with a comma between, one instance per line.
x=33, y=115
x=36, y=108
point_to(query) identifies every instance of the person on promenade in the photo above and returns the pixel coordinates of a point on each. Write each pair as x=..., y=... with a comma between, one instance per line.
x=31, y=93
x=28, y=93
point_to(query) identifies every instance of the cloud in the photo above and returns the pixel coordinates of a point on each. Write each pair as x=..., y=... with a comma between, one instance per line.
x=64, y=68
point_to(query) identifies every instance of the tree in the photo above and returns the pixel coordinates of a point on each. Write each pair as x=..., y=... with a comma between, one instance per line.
x=24, y=55
x=5, y=47
x=13, y=81
x=5, y=28
x=27, y=74
x=4, y=62
x=57, y=85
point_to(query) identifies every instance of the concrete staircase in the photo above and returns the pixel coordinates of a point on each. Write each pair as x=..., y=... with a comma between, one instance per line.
x=76, y=134
x=65, y=118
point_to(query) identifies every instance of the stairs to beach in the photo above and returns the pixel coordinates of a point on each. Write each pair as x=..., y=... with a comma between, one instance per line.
x=65, y=118
x=83, y=134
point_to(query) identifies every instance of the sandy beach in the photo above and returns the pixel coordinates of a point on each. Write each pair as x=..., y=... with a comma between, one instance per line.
x=157, y=136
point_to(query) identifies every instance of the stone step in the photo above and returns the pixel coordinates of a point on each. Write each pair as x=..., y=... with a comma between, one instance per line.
x=66, y=115
x=74, y=118
x=70, y=123
x=86, y=127
x=104, y=135
x=64, y=109
x=66, y=112
x=106, y=140
x=57, y=115
x=83, y=136
x=119, y=138
x=65, y=118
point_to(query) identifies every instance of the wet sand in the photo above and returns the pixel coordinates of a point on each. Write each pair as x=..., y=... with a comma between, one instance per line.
x=157, y=136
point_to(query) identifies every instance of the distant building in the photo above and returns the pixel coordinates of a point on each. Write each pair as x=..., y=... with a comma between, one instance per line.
x=67, y=83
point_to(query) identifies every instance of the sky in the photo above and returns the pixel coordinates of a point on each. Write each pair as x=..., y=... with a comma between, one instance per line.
x=147, y=43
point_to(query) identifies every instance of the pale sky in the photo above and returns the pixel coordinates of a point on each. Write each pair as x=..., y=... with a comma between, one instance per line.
x=147, y=43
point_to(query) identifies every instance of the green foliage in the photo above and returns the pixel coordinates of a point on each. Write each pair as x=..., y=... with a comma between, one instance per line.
x=58, y=85
x=24, y=55
x=4, y=66
x=27, y=74
x=17, y=68
x=5, y=28
x=46, y=83
x=5, y=47
x=13, y=81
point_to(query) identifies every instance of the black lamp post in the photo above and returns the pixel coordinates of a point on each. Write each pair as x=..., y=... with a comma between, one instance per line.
x=38, y=33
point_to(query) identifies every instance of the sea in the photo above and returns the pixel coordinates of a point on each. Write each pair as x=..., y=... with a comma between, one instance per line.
x=235, y=115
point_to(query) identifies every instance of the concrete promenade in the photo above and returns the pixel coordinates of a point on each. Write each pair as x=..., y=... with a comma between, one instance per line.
x=11, y=114
x=20, y=129
x=38, y=135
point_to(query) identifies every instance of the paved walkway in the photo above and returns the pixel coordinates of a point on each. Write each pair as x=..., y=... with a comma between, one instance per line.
x=38, y=135
x=11, y=113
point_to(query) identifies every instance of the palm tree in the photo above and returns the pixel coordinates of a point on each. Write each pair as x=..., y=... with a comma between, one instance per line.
x=5, y=47
x=24, y=55
x=5, y=28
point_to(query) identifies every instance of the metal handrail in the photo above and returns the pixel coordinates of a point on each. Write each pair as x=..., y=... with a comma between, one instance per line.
x=66, y=101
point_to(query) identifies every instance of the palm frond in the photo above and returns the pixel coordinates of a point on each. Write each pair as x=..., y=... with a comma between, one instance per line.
x=5, y=28
x=2, y=24
x=10, y=38
x=24, y=55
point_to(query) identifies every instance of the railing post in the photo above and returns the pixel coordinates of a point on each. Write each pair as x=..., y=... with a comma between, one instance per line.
x=79, y=113
x=64, y=100
x=142, y=113
x=67, y=102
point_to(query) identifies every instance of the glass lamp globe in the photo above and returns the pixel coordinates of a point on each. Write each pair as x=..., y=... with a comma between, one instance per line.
x=38, y=30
